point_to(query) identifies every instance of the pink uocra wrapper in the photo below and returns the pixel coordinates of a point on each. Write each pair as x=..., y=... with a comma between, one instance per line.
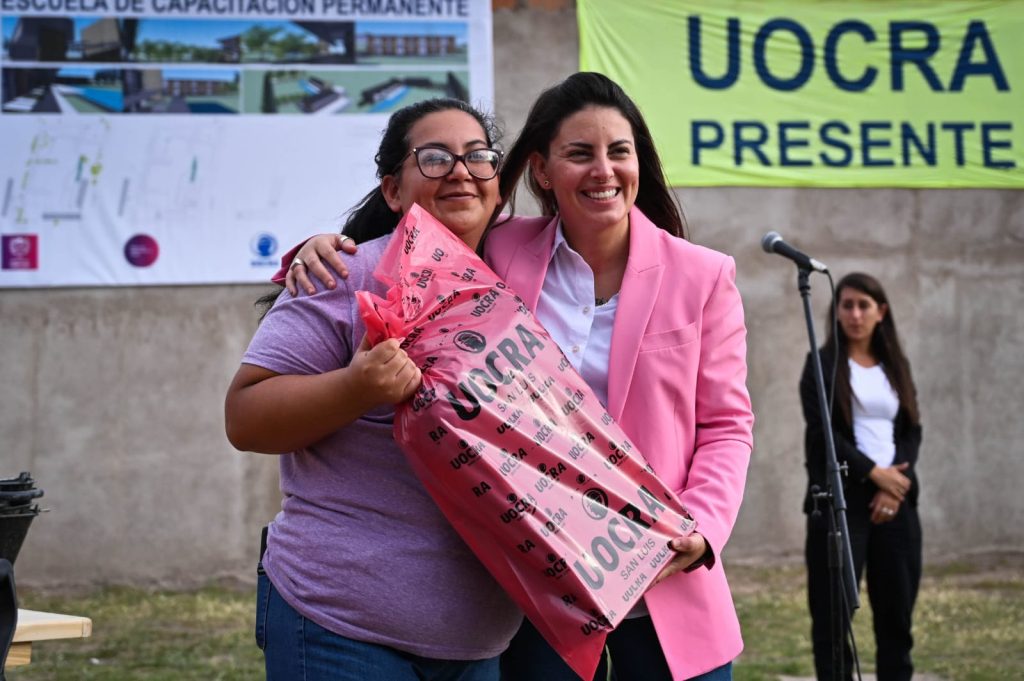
x=515, y=449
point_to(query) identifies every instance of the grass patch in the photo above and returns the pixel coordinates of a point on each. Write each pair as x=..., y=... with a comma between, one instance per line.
x=967, y=623
x=967, y=628
x=149, y=636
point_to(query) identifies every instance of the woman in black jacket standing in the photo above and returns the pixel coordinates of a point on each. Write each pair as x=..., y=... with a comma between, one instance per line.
x=877, y=433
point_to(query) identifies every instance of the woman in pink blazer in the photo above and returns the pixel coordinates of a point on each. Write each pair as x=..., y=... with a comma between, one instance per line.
x=674, y=370
x=676, y=384
x=655, y=325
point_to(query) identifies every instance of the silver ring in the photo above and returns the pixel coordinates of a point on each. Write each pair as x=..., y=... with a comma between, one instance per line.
x=296, y=262
x=888, y=511
x=343, y=237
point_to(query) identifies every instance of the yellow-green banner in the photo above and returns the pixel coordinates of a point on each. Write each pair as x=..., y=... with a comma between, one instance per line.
x=893, y=93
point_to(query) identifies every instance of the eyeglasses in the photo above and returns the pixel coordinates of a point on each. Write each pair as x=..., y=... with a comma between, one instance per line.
x=434, y=162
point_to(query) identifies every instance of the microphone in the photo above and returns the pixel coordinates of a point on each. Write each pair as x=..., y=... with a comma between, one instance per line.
x=773, y=243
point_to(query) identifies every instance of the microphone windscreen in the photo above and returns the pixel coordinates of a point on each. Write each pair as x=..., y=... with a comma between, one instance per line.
x=769, y=241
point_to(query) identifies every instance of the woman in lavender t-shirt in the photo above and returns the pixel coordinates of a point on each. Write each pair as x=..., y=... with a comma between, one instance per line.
x=362, y=578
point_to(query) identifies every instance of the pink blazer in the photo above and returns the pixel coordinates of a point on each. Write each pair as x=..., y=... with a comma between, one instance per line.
x=677, y=386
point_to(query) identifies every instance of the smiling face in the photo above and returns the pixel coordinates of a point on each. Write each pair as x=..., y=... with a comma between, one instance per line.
x=460, y=201
x=859, y=314
x=592, y=169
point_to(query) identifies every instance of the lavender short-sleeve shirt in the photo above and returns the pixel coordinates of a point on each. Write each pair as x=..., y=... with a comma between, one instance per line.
x=359, y=547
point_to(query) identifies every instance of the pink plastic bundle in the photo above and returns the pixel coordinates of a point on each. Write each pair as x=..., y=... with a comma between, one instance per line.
x=514, y=448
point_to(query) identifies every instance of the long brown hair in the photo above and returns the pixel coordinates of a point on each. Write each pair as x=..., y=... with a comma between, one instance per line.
x=557, y=103
x=885, y=347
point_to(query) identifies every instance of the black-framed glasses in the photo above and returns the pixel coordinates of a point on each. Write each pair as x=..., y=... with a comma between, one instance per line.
x=435, y=162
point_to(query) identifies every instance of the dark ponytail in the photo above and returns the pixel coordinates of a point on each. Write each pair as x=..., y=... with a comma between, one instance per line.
x=372, y=217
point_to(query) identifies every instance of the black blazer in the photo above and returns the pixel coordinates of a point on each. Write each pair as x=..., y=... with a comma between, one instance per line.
x=857, y=486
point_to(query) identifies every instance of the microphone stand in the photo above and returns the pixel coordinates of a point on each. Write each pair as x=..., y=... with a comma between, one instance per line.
x=842, y=580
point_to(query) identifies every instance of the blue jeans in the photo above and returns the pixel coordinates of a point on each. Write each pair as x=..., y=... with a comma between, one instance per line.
x=633, y=648
x=297, y=649
x=723, y=673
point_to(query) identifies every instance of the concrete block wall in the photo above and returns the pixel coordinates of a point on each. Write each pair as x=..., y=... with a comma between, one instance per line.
x=113, y=397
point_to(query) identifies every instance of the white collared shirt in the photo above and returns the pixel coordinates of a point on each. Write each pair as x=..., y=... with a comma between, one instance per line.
x=567, y=310
x=582, y=329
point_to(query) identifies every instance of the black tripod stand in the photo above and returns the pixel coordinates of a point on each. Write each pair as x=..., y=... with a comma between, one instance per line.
x=842, y=579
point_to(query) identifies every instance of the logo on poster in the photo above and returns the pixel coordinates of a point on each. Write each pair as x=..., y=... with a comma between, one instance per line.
x=20, y=252
x=141, y=250
x=263, y=245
